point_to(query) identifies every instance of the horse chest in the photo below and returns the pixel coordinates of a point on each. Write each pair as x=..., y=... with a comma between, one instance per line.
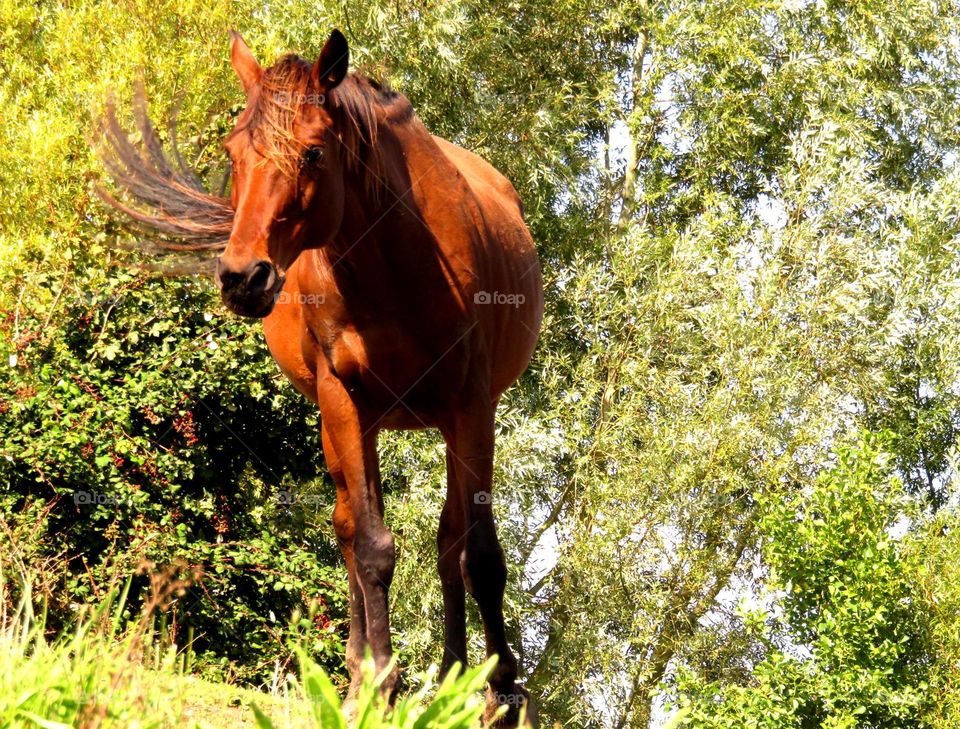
x=348, y=356
x=368, y=361
x=384, y=368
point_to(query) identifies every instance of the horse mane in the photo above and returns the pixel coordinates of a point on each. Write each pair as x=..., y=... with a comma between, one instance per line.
x=166, y=197
x=285, y=89
x=161, y=196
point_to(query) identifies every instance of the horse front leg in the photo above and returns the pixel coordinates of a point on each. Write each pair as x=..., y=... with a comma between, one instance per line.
x=482, y=561
x=343, y=526
x=373, y=551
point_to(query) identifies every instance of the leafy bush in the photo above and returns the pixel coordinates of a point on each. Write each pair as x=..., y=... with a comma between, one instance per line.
x=128, y=434
x=848, y=629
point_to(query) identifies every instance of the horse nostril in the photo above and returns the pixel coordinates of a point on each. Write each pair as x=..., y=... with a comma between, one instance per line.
x=262, y=277
x=226, y=279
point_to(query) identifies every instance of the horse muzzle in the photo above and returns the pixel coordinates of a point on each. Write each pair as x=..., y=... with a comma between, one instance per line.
x=251, y=291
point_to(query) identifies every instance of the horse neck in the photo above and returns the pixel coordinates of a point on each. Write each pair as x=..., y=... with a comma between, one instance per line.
x=389, y=215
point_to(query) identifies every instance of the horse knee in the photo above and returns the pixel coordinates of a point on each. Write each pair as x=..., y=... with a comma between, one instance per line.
x=448, y=554
x=343, y=525
x=376, y=557
x=483, y=566
x=448, y=565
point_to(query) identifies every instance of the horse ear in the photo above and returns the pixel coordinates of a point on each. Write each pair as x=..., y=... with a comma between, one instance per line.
x=243, y=62
x=331, y=67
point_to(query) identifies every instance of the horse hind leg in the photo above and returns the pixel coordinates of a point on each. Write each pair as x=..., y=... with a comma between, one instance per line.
x=449, y=547
x=482, y=561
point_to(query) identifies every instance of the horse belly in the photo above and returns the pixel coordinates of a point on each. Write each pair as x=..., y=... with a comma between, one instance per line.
x=502, y=271
x=510, y=305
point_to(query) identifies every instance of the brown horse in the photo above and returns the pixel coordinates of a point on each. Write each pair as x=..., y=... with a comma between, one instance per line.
x=399, y=288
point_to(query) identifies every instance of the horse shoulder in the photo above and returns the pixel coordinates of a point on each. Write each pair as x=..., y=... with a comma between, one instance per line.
x=283, y=329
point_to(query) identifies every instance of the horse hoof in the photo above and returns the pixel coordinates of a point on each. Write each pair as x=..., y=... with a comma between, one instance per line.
x=349, y=710
x=518, y=702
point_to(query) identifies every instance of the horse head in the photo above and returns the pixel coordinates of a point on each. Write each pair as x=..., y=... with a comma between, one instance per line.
x=288, y=166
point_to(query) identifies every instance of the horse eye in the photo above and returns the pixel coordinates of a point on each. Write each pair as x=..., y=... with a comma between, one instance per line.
x=312, y=156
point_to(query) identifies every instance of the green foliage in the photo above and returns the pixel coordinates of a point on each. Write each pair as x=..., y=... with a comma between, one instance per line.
x=456, y=703
x=934, y=548
x=847, y=627
x=747, y=213
x=112, y=674
x=87, y=677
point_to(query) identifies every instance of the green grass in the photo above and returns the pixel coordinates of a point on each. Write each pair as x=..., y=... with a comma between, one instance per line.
x=104, y=675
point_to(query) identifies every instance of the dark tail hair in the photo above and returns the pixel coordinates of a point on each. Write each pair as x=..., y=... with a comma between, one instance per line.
x=163, y=200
